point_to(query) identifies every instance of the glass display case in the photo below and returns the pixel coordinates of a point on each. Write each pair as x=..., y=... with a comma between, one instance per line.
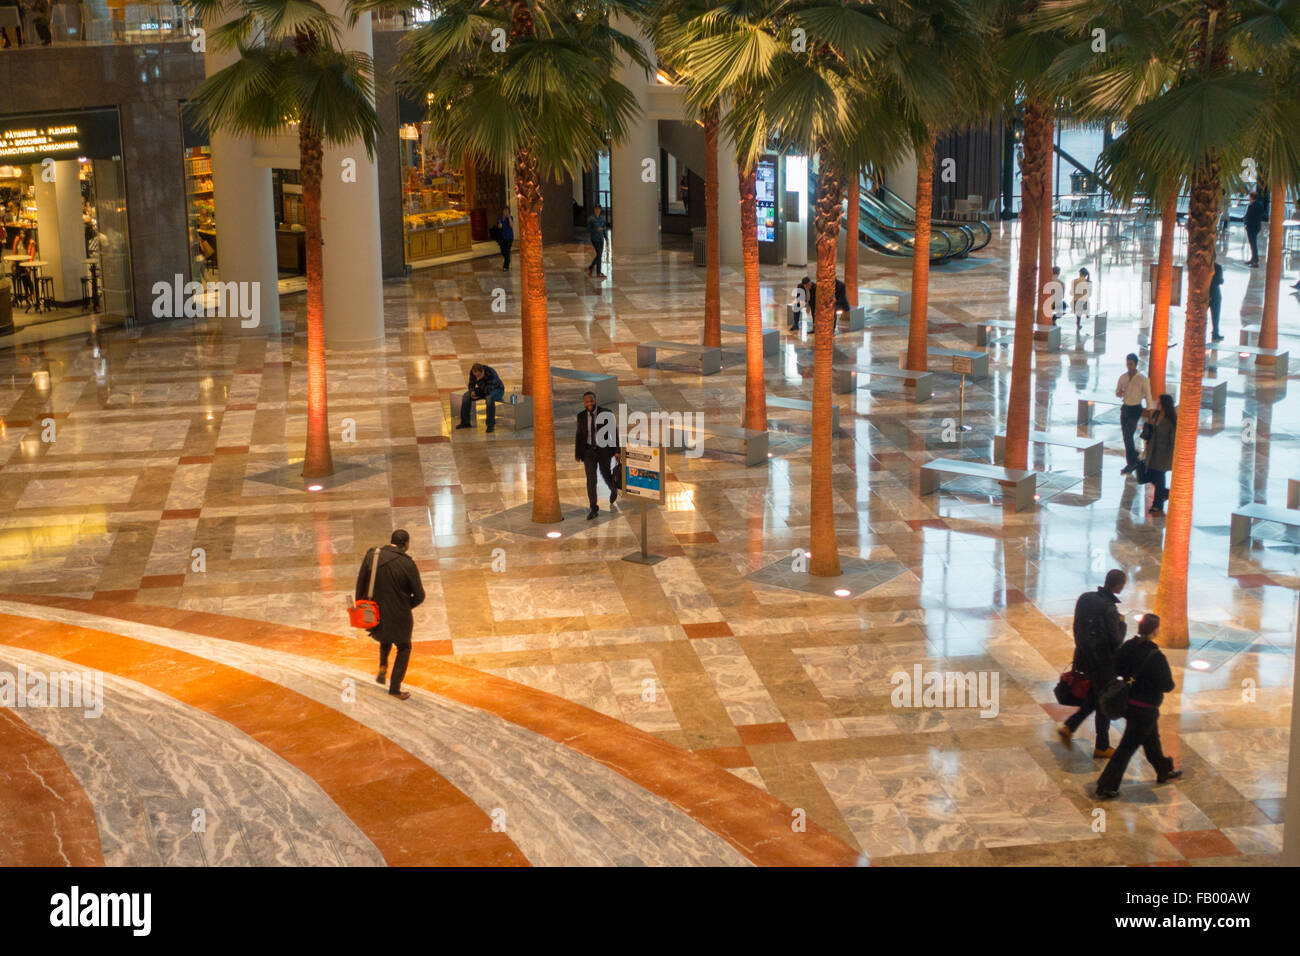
x=435, y=216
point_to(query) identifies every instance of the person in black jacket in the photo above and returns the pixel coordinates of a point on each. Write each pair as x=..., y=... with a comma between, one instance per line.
x=484, y=385
x=595, y=444
x=1144, y=665
x=1098, y=633
x=397, y=591
x=1216, y=301
x=1254, y=218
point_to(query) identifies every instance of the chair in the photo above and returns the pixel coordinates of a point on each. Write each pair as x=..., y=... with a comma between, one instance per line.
x=945, y=207
x=65, y=21
x=992, y=213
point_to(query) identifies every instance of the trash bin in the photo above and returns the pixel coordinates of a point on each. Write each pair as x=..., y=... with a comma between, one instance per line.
x=698, y=243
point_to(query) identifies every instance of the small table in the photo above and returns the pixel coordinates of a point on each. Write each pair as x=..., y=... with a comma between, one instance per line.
x=94, y=283
x=35, y=278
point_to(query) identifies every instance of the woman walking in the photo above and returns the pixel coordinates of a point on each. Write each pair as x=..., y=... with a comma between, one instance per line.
x=1080, y=293
x=505, y=237
x=1147, y=671
x=1158, y=454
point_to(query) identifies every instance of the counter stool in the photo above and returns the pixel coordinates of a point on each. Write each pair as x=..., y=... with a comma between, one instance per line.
x=85, y=292
x=46, y=291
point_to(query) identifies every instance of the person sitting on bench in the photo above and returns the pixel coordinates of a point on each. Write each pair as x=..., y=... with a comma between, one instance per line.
x=484, y=385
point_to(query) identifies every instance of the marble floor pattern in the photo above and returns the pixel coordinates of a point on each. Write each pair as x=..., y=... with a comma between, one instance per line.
x=156, y=475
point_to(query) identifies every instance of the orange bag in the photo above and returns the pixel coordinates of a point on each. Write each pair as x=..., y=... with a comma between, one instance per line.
x=365, y=613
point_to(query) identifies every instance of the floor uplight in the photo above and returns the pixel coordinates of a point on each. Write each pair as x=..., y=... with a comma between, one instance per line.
x=842, y=592
x=552, y=534
x=1199, y=665
x=315, y=487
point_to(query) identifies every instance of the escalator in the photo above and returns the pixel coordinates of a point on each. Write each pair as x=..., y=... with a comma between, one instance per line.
x=887, y=223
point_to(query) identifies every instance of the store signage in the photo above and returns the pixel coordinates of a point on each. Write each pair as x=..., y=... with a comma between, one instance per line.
x=643, y=475
x=765, y=194
x=92, y=134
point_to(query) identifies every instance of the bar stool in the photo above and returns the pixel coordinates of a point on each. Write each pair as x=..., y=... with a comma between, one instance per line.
x=46, y=289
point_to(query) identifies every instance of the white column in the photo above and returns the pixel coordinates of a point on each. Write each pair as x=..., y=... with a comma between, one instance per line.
x=902, y=177
x=728, y=203
x=61, y=238
x=244, y=207
x=635, y=202
x=353, y=267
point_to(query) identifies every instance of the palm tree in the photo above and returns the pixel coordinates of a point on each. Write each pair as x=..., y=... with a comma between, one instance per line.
x=1025, y=52
x=540, y=107
x=722, y=52
x=1199, y=128
x=292, y=71
x=821, y=100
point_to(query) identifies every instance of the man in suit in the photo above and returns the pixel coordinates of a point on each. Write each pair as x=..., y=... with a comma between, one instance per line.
x=595, y=444
x=397, y=591
x=484, y=386
x=1098, y=633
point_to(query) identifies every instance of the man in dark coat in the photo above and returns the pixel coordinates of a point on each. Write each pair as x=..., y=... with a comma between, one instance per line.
x=485, y=385
x=1098, y=633
x=397, y=591
x=595, y=444
x=1254, y=218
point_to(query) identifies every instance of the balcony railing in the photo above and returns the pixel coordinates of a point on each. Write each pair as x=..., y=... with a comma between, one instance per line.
x=94, y=22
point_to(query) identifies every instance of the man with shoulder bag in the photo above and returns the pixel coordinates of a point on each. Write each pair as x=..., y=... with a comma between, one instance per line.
x=1098, y=633
x=1136, y=693
x=390, y=579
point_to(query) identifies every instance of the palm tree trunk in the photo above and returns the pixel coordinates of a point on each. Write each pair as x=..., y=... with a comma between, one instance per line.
x=521, y=27
x=317, y=460
x=1163, y=292
x=528, y=188
x=755, y=387
x=918, y=359
x=712, y=261
x=1031, y=198
x=1272, y=268
x=851, y=250
x=525, y=325
x=825, y=561
x=1171, y=593
x=1044, y=314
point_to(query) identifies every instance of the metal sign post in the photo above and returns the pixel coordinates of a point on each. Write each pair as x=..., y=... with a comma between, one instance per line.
x=643, y=479
x=963, y=365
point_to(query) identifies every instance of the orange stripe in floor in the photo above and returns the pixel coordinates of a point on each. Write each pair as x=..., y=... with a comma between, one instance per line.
x=752, y=821
x=46, y=819
x=411, y=814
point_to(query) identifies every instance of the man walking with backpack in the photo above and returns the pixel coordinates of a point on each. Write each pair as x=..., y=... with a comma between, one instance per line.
x=1098, y=633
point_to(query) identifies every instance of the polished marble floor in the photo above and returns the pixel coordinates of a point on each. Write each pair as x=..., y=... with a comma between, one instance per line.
x=616, y=713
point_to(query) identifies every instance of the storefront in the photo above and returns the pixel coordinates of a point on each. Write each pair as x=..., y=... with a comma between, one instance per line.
x=445, y=206
x=63, y=223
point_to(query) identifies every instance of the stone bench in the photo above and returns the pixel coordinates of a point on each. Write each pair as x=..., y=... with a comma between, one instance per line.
x=1022, y=483
x=979, y=361
x=753, y=442
x=799, y=405
x=983, y=328
x=844, y=379
x=904, y=298
x=1275, y=357
x=1293, y=492
x=1092, y=448
x=857, y=318
x=1086, y=402
x=1243, y=520
x=603, y=384
x=771, y=338
x=709, y=356
x=1099, y=322
x=519, y=416
x=1051, y=334
x=1214, y=393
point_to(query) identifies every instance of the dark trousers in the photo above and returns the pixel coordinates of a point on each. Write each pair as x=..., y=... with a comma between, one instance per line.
x=1253, y=239
x=798, y=320
x=1102, y=722
x=1216, y=306
x=1129, y=416
x=1157, y=478
x=469, y=398
x=595, y=260
x=399, y=665
x=598, y=458
x=504, y=245
x=1141, y=729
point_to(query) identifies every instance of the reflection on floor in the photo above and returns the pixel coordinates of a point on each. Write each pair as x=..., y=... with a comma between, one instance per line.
x=170, y=485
